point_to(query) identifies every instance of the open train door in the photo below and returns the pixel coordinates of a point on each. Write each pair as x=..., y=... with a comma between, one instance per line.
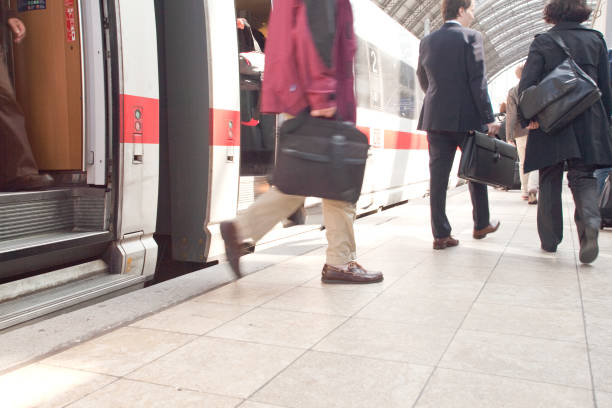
x=184, y=129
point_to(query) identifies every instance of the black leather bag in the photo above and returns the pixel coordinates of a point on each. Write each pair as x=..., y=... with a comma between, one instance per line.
x=561, y=96
x=488, y=161
x=321, y=158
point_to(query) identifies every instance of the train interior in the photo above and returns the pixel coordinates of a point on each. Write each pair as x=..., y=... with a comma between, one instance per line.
x=57, y=236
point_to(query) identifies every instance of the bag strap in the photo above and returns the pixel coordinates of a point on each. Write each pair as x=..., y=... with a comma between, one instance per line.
x=559, y=41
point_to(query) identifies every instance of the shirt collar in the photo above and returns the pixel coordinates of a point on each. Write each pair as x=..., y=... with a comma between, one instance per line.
x=452, y=22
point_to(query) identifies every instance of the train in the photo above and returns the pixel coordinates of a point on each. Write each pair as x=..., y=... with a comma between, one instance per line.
x=140, y=111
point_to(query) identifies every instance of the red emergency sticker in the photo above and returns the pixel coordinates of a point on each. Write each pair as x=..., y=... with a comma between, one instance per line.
x=70, y=24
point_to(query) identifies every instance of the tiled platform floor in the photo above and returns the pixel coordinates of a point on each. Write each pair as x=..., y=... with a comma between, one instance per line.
x=492, y=323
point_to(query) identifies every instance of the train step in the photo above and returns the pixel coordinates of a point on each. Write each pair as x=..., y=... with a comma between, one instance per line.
x=42, y=229
x=48, y=294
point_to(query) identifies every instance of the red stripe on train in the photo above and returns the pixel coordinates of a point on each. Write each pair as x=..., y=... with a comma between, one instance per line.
x=139, y=119
x=224, y=127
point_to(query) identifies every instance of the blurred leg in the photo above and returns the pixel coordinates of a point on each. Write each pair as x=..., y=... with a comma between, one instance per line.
x=521, y=146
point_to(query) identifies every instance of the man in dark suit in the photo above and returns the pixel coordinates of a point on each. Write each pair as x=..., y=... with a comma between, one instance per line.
x=451, y=72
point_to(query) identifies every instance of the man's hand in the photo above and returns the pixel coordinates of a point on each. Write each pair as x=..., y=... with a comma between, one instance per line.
x=533, y=125
x=325, y=113
x=18, y=29
x=493, y=128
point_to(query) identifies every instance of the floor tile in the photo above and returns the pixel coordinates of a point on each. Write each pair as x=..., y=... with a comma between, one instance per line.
x=601, y=364
x=129, y=394
x=245, y=294
x=511, y=275
x=326, y=300
x=328, y=380
x=454, y=272
x=460, y=290
x=192, y=317
x=545, y=297
x=604, y=400
x=401, y=308
x=219, y=366
x=415, y=344
x=43, y=386
x=120, y=351
x=596, y=285
x=455, y=389
x=555, y=324
x=283, y=275
x=527, y=358
x=279, y=327
x=252, y=404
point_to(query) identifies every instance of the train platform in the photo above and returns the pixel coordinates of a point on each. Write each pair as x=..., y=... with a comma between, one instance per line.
x=491, y=323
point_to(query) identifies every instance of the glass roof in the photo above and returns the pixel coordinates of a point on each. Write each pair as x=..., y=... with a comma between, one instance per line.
x=508, y=26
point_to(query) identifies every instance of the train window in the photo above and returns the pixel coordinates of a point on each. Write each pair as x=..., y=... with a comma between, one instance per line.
x=384, y=82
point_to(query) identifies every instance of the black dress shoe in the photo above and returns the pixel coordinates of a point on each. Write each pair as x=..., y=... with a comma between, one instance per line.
x=233, y=248
x=489, y=229
x=31, y=182
x=589, y=249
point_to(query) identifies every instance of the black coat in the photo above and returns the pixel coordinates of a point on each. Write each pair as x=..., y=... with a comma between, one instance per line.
x=588, y=136
x=451, y=72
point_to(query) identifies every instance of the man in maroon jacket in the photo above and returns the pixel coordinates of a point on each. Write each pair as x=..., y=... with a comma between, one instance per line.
x=309, y=66
x=18, y=169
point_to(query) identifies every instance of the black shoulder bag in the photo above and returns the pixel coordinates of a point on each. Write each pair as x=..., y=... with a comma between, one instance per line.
x=561, y=96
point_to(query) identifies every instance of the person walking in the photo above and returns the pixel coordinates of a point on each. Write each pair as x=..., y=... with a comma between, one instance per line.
x=309, y=66
x=602, y=174
x=518, y=134
x=585, y=144
x=451, y=72
x=18, y=169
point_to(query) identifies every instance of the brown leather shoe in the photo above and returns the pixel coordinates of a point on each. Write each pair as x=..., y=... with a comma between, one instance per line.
x=443, y=243
x=355, y=273
x=233, y=248
x=31, y=182
x=491, y=228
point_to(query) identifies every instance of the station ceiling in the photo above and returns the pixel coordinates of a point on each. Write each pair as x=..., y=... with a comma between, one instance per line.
x=508, y=26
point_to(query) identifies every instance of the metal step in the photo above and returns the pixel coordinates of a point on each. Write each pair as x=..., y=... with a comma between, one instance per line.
x=38, y=304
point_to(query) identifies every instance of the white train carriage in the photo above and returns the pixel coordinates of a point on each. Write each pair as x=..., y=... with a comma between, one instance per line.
x=167, y=142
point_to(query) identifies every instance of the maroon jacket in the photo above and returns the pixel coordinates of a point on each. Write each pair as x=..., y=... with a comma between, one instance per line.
x=296, y=75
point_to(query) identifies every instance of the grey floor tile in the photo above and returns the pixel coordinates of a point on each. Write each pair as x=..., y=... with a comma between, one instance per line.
x=329, y=380
x=219, y=366
x=604, y=400
x=283, y=275
x=456, y=389
x=555, y=324
x=245, y=294
x=43, y=386
x=400, y=307
x=129, y=394
x=511, y=275
x=192, y=317
x=521, y=357
x=545, y=297
x=601, y=364
x=596, y=285
x=417, y=344
x=121, y=351
x=252, y=404
x=326, y=300
x=279, y=327
x=452, y=272
x=460, y=290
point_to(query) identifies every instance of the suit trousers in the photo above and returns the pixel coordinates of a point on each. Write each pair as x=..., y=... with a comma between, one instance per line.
x=442, y=149
x=274, y=206
x=583, y=185
x=16, y=158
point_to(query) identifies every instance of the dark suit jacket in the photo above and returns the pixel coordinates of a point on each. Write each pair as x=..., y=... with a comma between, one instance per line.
x=5, y=14
x=451, y=72
x=588, y=136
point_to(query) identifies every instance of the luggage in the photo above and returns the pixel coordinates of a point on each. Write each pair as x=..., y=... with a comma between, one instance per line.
x=320, y=158
x=488, y=161
x=561, y=96
x=605, y=204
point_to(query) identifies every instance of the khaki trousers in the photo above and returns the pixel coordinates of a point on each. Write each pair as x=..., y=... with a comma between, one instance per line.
x=16, y=158
x=274, y=206
x=529, y=181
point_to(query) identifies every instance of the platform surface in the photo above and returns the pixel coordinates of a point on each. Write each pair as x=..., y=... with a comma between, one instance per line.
x=491, y=323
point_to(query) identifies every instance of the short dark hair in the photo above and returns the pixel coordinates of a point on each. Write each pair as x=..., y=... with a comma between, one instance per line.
x=576, y=11
x=450, y=8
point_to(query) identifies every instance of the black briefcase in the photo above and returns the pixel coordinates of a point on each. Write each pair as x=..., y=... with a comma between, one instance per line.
x=320, y=158
x=488, y=161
